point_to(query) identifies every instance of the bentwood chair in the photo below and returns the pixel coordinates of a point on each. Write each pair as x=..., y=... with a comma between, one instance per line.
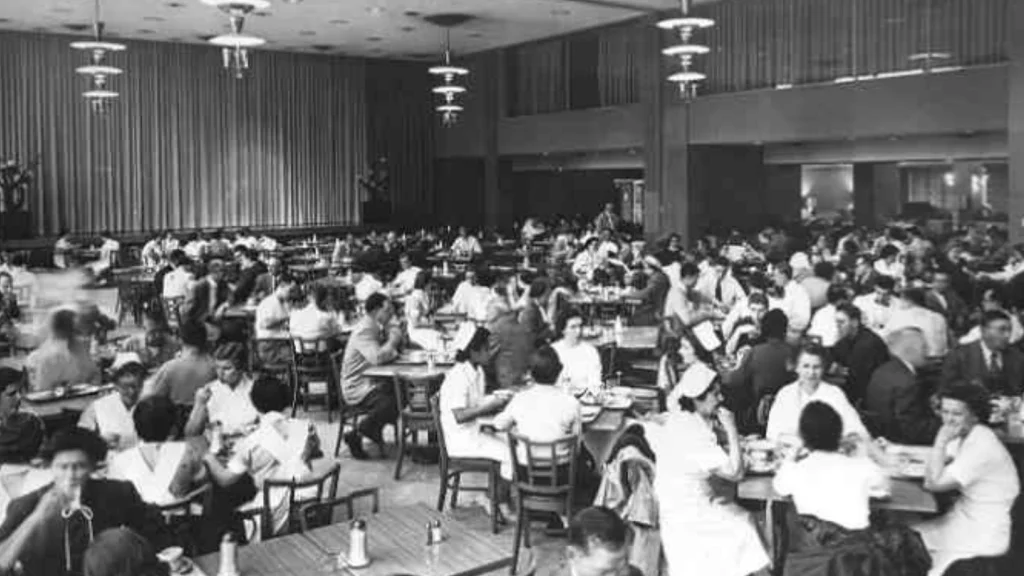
x=545, y=481
x=322, y=487
x=314, y=376
x=274, y=356
x=182, y=517
x=413, y=394
x=320, y=514
x=452, y=469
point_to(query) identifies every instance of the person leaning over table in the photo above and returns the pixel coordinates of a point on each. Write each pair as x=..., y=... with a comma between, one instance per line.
x=511, y=346
x=180, y=378
x=111, y=416
x=47, y=531
x=61, y=358
x=709, y=536
x=652, y=295
x=462, y=400
x=280, y=448
x=599, y=543
x=967, y=457
x=581, y=362
x=374, y=341
x=226, y=400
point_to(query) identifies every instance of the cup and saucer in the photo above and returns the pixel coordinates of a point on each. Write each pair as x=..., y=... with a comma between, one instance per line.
x=175, y=558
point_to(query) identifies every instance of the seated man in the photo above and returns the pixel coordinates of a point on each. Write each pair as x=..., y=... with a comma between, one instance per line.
x=991, y=361
x=405, y=281
x=896, y=405
x=368, y=346
x=48, y=530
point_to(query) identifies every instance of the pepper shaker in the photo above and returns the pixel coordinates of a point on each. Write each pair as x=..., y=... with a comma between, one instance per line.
x=228, y=556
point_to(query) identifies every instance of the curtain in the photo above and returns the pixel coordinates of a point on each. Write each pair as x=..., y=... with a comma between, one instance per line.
x=539, y=79
x=619, y=61
x=186, y=145
x=400, y=121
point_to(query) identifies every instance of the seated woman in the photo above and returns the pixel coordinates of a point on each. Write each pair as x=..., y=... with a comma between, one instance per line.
x=121, y=552
x=417, y=312
x=111, y=415
x=227, y=400
x=708, y=535
x=48, y=530
x=969, y=458
x=678, y=357
x=581, y=363
x=61, y=359
x=280, y=448
x=462, y=400
x=157, y=345
x=784, y=417
x=162, y=471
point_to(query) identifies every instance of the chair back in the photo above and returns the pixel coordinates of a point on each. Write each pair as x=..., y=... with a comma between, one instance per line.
x=300, y=493
x=320, y=514
x=435, y=413
x=413, y=393
x=172, y=309
x=262, y=348
x=545, y=472
x=310, y=346
x=186, y=506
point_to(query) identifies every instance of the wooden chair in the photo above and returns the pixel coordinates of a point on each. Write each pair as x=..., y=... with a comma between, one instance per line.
x=545, y=480
x=452, y=469
x=172, y=310
x=320, y=514
x=182, y=516
x=326, y=485
x=313, y=365
x=282, y=368
x=413, y=395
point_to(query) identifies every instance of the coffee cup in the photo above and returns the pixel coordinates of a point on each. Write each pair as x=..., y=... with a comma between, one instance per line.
x=173, y=557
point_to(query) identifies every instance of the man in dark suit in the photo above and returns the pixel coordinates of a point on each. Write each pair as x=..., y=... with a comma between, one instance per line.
x=944, y=300
x=896, y=406
x=598, y=545
x=533, y=316
x=512, y=343
x=859, y=350
x=250, y=269
x=991, y=361
x=207, y=298
x=267, y=282
x=652, y=296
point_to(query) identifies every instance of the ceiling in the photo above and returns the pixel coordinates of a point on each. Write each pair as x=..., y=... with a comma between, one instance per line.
x=374, y=28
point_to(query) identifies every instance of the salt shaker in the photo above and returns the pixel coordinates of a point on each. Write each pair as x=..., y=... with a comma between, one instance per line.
x=435, y=535
x=357, y=555
x=228, y=556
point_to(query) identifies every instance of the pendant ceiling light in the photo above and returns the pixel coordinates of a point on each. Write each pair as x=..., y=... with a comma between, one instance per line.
x=448, y=89
x=98, y=94
x=685, y=26
x=235, y=46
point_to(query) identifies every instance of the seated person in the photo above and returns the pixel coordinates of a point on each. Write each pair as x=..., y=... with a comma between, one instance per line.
x=93, y=325
x=466, y=245
x=462, y=399
x=61, y=359
x=824, y=482
x=280, y=448
x=48, y=530
x=784, y=417
x=369, y=346
x=225, y=401
x=272, y=318
x=368, y=285
x=599, y=545
x=157, y=345
x=163, y=471
x=180, y=378
x=991, y=361
x=10, y=311
x=314, y=321
x=121, y=552
x=405, y=280
x=21, y=433
x=896, y=405
x=111, y=415
x=581, y=363
x=969, y=458
x=542, y=411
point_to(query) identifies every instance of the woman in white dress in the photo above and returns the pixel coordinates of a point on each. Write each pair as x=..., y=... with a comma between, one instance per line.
x=703, y=535
x=111, y=416
x=969, y=458
x=417, y=313
x=581, y=363
x=162, y=471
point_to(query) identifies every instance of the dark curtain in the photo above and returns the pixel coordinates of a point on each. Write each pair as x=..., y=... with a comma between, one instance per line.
x=549, y=193
x=185, y=145
x=400, y=124
x=460, y=192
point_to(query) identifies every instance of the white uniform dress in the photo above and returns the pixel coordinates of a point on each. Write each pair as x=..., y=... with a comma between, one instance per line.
x=978, y=524
x=463, y=387
x=114, y=418
x=708, y=538
x=153, y=484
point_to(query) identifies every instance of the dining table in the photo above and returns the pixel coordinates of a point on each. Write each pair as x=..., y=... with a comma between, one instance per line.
x=58, y=406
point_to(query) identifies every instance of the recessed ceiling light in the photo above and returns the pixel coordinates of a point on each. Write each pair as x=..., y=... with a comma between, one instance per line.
x=261, y=14
x=153, y=18
x=175, y=4
x=146, y=31
x=560, y=12
x=307, y=33
x=407, y=28
x=374, y=38
x=375, y=10
x=475, y=35
x=76, y=27
x=339, y=21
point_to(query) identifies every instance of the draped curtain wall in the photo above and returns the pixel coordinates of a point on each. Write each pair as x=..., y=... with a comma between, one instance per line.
x=539, y=78
x=185, y=145
x=620, y=59
x=400, y=122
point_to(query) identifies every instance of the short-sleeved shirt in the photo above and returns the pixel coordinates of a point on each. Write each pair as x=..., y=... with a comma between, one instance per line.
x=833, y=487
x=231, y=407
x=784, y=417
x=542, y=413
x=180, y=378
x=581, y=366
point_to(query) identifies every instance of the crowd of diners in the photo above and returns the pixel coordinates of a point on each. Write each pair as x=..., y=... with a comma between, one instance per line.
x=831, y=343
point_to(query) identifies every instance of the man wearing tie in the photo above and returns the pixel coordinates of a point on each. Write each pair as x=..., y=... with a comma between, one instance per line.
x=607, y=219
x=991, y=361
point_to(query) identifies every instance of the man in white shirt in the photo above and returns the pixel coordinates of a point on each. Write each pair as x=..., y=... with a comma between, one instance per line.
x=272, y=314
x=912, y=313
x=877, y=306
x=795, y=302
x=719, y=286
x=368, y=285
x=823, y=324
x=177, y=281
x=466, y=245
x=405, y=281
x=109, y=252
x=61, y=250
x=314, y=322
x=606, y=246
x=587, y=261
x=152, y=253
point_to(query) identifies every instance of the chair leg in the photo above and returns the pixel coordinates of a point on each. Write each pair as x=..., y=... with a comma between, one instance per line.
x=295, y=397
x=341, y=433
x=455, y=489
x=442, y=490
x=400, y=432
x=492, y=493
x=516, y=540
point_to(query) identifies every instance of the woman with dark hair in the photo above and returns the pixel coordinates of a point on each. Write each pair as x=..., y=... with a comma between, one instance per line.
x=121, y=552
x=763, y=371
x=111, y=415
x=21, y=433
x=48, y=530
x=708, y=535
x=581, y=362
x=163, y=471
x=418, y=309
x=225, y=401
x=825, y=483
x=542, y=412
x=61, y=359
x=679, y=355
x=969, y=458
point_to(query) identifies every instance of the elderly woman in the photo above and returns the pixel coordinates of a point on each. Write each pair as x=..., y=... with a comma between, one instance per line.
x=48, y=530
x=784, y=417
x=161, y=470
x=969, y=458
x=581, y=363
x=111, y=415
x=280, y=448
x=61, y=359
x=227, y=400
x=708, y=536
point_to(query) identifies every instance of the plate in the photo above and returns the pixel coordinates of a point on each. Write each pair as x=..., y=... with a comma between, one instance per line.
x=617, y=403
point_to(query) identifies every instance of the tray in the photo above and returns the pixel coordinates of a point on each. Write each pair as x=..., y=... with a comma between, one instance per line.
x=73, y=391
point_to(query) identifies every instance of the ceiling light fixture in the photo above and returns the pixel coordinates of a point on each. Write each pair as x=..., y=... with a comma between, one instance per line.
x=98, y=95
x=448, y=74
x=235, y=46
x=686, y=50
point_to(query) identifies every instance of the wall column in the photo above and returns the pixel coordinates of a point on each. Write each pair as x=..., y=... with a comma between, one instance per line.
x=493, y=107
x=1015, y=147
